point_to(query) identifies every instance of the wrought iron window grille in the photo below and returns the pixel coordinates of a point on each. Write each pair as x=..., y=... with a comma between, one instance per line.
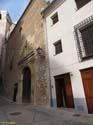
x=82, y=45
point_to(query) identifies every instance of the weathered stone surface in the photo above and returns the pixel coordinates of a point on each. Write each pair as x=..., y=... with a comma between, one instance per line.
x=27, y=36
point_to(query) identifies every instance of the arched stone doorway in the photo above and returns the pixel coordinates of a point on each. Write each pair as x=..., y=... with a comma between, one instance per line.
x=26, y=92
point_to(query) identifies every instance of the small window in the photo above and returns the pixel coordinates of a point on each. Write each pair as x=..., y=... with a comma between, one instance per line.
x=81, y=3
x=0, y=16
x=55, y=18
x=58, y=47
x=20, y=29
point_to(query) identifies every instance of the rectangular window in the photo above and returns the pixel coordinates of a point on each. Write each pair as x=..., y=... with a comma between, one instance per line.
x=0, y=16
x=55, y=18
x=81, y=3
x=87, y=37
x=58, y=47
x=84, y=36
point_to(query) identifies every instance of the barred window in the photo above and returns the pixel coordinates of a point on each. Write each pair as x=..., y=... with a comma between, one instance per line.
x=81, y=3
x=87, y=37
x=84, y=38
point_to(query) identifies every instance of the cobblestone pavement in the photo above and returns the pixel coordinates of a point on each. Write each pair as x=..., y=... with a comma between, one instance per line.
x=25, y=114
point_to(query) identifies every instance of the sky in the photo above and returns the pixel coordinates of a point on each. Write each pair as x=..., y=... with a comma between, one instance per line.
x=14, y=7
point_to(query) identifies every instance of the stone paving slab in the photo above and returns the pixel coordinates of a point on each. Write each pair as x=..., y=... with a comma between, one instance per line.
x=2, y=117
x=33, y=115
x=26, y=114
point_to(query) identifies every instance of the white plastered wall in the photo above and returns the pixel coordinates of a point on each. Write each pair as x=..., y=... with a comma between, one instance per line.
x=67, y=61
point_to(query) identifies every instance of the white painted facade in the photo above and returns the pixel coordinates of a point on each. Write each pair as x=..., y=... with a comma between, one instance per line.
x=67, y=61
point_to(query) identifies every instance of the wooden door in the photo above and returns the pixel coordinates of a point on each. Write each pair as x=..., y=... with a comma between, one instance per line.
x=63, y=82
x=69, y=94
x=59, y=95
x=87, y=78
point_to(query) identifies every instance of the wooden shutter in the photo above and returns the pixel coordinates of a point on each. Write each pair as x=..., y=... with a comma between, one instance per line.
x=81, y=3
x=69, y=94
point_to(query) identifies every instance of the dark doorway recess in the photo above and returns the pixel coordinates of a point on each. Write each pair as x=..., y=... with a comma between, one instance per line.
x=15, y=91
x=26, y=94
x=64, y=91
x=87, y=78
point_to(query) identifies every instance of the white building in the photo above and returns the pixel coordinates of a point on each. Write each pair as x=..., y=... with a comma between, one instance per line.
x=69, y=36
x=5, y=29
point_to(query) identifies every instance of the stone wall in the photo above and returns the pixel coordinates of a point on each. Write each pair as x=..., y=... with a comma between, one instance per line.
x=26, y=38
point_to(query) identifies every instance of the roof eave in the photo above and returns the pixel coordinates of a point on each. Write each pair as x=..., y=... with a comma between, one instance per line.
x=51, y=6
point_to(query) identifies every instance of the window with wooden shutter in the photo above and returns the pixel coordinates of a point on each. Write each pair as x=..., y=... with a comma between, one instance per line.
x=55, y=18
x=81, y=3
x=58, y=47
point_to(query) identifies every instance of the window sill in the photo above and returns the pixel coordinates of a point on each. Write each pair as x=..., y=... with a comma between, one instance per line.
x=57, y=54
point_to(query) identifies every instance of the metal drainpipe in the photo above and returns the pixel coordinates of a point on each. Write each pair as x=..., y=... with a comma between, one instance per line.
x=49, y=74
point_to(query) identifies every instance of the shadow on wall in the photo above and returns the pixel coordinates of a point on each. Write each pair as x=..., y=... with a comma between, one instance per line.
x=1, y=86
x=21, y=47
x=18, y=52
x=79, y=103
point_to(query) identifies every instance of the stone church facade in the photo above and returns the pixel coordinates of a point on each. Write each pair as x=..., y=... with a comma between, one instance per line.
x=26, y=72
x=6, y=25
